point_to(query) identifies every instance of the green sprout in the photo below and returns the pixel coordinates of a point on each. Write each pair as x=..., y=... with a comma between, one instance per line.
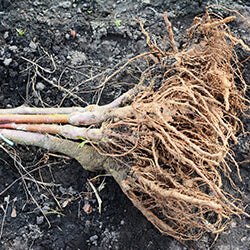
x=117, y=23
x=20, y=32
x=84, y=141
x=89, y=11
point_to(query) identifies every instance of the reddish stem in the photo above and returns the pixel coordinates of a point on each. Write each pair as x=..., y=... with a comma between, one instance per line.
x=56, y=118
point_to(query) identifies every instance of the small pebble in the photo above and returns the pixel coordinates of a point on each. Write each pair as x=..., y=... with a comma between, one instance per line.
x=6, y=35
x=243, y=239
x=66, y=4
x=7, y=61
x=93, y=238
x=40, y=86
x=32, y=45
x=39, y=220
x=13, y=48
x=146, y=1
x=46, y=209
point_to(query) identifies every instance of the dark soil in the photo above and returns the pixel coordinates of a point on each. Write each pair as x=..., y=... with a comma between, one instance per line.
x=68, y=42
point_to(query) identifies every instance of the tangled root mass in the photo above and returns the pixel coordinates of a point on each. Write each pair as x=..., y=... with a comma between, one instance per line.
x=176, y=143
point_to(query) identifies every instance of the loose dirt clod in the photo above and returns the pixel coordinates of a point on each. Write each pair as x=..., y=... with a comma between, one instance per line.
x=169, y=149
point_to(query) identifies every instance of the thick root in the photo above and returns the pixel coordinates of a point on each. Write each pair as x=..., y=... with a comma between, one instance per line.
x=86, y=155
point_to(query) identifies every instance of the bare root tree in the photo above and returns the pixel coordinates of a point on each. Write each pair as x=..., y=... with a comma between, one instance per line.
x=166, y=141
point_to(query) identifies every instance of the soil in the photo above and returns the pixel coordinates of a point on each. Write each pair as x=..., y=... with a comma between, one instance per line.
x=44, y=44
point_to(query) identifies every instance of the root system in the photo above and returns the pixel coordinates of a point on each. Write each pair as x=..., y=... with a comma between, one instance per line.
x=177, y=142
